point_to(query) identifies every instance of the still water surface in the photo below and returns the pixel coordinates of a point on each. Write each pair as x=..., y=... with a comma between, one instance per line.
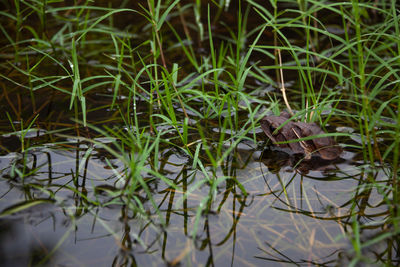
x=291, y=215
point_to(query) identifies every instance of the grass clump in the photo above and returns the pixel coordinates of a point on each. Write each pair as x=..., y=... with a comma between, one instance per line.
x=193, y=79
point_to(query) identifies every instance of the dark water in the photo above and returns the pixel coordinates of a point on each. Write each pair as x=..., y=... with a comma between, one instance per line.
x=289, y=216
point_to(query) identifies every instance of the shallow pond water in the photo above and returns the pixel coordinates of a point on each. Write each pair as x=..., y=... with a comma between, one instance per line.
x=288, y=216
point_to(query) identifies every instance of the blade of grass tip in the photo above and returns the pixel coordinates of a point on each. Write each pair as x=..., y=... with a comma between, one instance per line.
x=196, y=156
x=243, y=71
x=223, y=49
x=213, y=57
x=174, y=73
x=52, y=58
x=10, y=16
x=25, y=131
x=8, y=37
x=160, y=22
x=117, y=80
x=192, y=83
x=157, y=9
x=11, y=121
x=85, y=158
x=173, y=83
x=197, y=16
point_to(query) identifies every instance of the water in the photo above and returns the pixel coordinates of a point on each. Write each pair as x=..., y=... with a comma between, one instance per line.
x=288, y=216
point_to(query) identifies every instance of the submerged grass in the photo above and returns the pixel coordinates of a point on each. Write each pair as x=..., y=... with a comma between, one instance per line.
x=175, y=74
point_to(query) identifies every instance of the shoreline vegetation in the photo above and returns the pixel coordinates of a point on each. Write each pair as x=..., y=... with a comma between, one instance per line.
x=168, y=96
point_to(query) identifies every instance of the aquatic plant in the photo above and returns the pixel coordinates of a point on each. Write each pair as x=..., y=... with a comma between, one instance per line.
x=139, y=115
